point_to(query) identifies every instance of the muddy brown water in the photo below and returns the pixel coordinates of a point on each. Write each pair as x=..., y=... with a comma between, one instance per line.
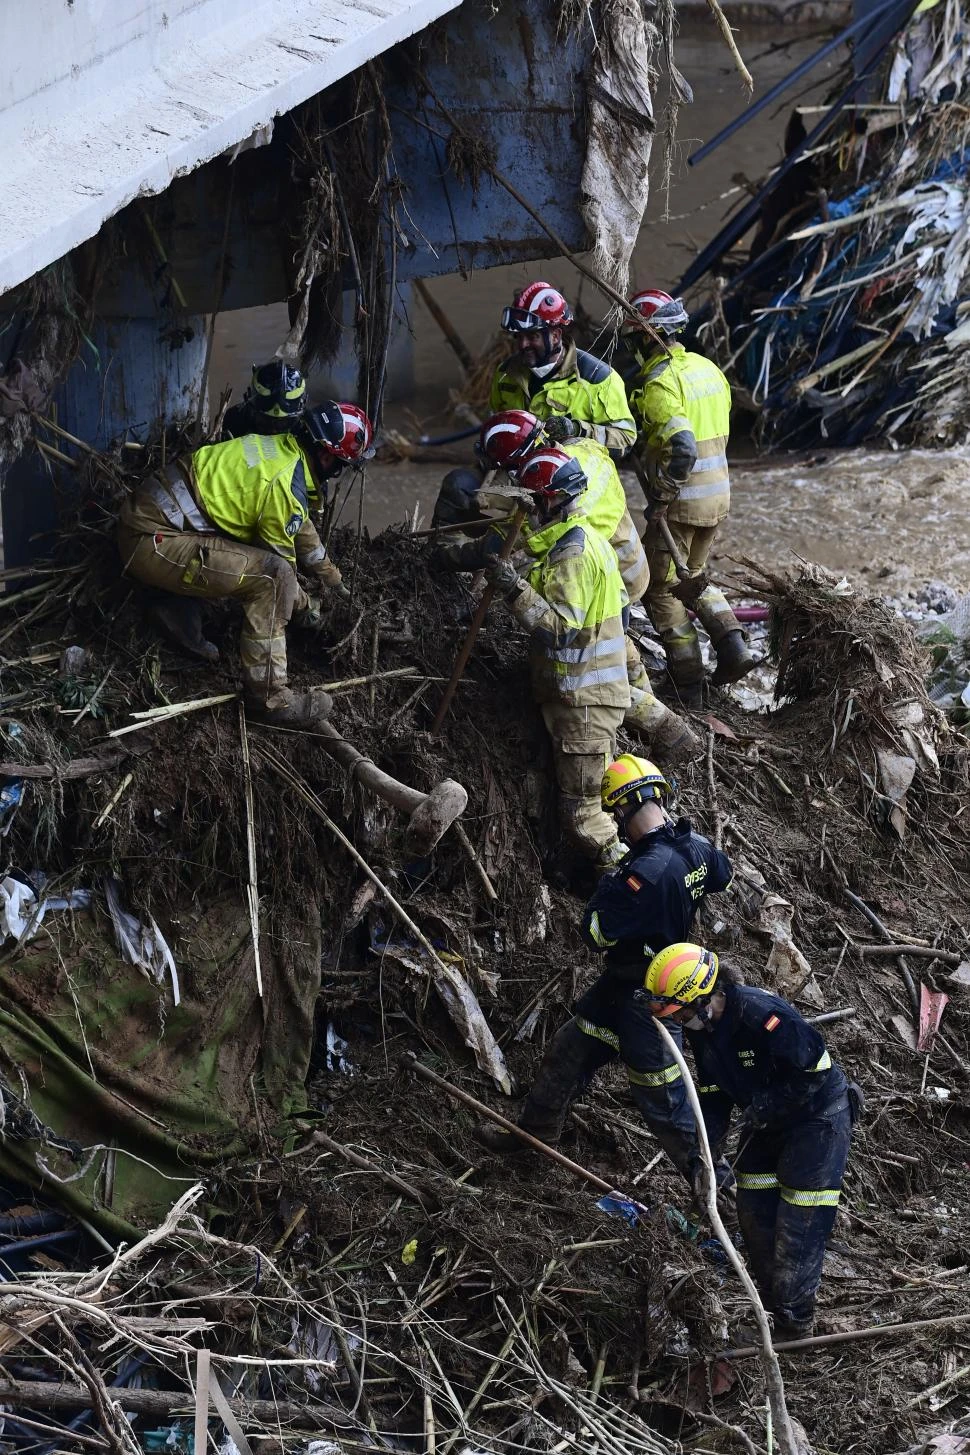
x=892, y=521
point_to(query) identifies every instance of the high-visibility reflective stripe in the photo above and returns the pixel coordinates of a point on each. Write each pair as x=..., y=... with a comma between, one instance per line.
x=675, y=425
x=319, y=553
x=599, y=1033
x=705, y=390
x=654, y=1078
x=629, y=549
x=577, y=655
x=701, y=492
x=593, y=679
x=757, y=1181
x=823, y=1063
x=708, y=1090
x=596, y=932
x=174, y=500
x=704, y=466
x=657, y=370
x=811, y=1197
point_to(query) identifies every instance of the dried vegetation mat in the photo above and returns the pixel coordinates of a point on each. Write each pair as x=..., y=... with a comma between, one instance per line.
x=359, y=1269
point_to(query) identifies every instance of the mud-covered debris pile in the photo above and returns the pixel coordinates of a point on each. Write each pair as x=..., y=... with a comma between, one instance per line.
x=437, y=1289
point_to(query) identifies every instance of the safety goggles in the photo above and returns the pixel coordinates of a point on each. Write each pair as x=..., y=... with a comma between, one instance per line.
x=520, y=320
x=663, y=1008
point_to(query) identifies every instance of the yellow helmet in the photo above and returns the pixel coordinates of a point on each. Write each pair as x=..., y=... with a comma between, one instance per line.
x=680, y=974
x=630, y=782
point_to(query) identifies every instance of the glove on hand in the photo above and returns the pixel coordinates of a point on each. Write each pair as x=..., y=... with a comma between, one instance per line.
x=342, y=591
x=309, y=617
x=503, y=576
x=560, y=427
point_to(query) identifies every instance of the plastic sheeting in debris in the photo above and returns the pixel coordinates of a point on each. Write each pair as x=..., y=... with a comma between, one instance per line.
x=458, y=999
x=143, y=947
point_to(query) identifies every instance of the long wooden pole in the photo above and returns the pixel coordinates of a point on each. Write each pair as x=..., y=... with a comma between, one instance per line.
x=457, y=1094
x=461, y=661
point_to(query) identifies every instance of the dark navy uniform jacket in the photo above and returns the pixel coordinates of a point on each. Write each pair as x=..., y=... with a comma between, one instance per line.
x=763, y=1056
x=649, y=901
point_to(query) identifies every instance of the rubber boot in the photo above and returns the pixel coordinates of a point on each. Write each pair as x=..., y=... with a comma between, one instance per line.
x=735, y=659
x=292, y=709
x=670, y=737
x=181, y=620
x=685, y=665
x=786, y=1330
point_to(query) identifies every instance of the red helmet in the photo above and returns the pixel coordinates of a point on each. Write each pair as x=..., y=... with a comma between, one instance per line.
x=507, y=437
x=549, y=472
x=666, y=314
x=343, y=430
x=538, y=305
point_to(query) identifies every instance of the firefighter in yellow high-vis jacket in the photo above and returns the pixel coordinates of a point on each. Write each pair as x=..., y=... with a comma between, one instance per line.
x=682, y=405
x=233, y=520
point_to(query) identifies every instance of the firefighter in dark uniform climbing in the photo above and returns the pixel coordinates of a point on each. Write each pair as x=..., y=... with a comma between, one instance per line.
x=653, y=894
x=753, y=1050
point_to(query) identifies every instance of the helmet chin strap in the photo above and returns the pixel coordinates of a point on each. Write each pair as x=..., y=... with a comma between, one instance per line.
x=550, y=360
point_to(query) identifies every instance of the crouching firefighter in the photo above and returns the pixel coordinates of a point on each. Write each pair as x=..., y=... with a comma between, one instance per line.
x=508, y=438
x=571, y=603
x=755, y=1051
x=682, y=404
x=654, y=893
x=233, y=521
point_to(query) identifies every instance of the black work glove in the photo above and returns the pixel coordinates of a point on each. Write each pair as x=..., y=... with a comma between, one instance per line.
x=504, y=577
x=562, y=427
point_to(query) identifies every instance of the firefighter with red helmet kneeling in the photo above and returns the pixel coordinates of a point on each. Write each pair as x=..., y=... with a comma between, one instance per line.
x=570, y=600
x=755, y=1051
x=654, y=892
x=232, y=520
x=682, y=404
x=505, y=440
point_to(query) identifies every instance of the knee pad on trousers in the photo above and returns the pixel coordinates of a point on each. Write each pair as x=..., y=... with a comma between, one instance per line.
x=715, y=614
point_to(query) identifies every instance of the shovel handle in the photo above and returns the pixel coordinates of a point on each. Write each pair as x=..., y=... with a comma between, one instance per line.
x=461, y=661
x=680, y=565
x=642, y=474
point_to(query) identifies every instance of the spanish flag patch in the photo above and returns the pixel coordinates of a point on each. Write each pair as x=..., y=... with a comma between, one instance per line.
x=772, y=1023
x=635, y=884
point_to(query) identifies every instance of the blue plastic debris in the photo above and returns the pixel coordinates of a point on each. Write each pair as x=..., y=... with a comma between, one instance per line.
x=622, y=1207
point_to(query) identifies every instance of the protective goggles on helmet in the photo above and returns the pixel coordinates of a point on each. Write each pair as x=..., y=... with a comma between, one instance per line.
x=522, y=320
x=678, y=977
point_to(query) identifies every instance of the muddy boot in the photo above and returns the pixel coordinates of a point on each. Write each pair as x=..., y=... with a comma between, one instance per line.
x=787, y=1330
x=735, y=659
x=685, y=666
x=670, y=737
x=292, y=709
x=181, y=621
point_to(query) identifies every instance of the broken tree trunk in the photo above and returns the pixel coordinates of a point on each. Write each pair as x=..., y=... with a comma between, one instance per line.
x=431, y=814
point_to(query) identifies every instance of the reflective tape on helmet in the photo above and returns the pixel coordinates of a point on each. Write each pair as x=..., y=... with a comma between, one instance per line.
x=653, y=1078
x=757, y=1181
x=810, y=1197
x=596, y=933
x=599, y=1033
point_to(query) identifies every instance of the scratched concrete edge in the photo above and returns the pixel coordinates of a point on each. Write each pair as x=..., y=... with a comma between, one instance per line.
x=118, y=145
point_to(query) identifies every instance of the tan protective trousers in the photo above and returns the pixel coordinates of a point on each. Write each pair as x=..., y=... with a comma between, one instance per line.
x=213, y=567
x=583, y=743
x=668, y=613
